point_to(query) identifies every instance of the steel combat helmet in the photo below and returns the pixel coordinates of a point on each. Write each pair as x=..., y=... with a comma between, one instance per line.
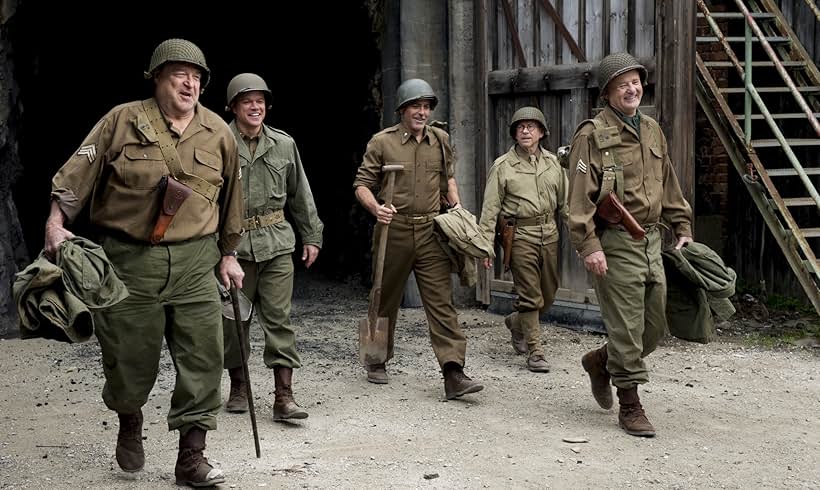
x=528, y=113
x=415, y=89
x=246, y=82
x=616, y=64
x=178, y=50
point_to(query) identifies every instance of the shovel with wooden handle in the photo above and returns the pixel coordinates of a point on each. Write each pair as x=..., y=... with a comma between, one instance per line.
x=374, y=330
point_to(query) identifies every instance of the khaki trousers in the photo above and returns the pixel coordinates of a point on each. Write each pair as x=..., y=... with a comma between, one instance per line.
x=535, y=276
x=632, y=297
x=414, y=247
x=173, y=295
x=269, y=286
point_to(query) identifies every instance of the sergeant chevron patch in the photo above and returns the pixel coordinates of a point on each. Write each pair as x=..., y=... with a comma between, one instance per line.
x=90, y=151
x=581, y=167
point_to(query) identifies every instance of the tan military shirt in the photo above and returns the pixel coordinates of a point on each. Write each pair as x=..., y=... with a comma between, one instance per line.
x=118, y=167
x=651, y=189
x=525, y=186
x=418, y=186
x=272, y=177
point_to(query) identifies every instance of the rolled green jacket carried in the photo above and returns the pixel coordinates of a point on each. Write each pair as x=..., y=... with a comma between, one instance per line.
x=56, y=300
x=698, y=288
x=463, y=242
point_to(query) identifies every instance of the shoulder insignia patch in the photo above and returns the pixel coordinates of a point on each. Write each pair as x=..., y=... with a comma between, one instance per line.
x=581, y=166
x=89, y=151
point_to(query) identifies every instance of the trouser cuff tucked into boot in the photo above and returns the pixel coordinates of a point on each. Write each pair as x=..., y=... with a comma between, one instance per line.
x=284, y=406
x=192, y=467
x=631, y=417
x=456, y=383
x=130, y=454
x=516, y=336
x=238, y=398
x=594, y=363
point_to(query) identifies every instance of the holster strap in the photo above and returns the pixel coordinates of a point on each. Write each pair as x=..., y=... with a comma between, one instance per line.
x=414, y=219
x=265, y=220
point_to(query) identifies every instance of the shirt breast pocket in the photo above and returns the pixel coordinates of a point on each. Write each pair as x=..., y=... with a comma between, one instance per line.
x=142, y=166
x=656, y=157
x=277, y=173
x=523, y=182
x=208, y=166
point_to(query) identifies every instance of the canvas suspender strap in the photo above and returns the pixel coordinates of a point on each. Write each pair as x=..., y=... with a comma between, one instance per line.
x=169, y=153
x=606, y=138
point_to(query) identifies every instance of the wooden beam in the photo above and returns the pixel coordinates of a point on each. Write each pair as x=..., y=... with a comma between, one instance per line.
x=559, y=23
x=482, y=290
x=675, y=89
x=539, y=79
x=508, y=15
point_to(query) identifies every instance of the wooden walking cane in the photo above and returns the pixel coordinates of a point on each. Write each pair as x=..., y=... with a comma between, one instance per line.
x=238, y=321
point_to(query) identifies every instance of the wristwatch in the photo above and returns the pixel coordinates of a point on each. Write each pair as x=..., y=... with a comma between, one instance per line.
x=231, y=253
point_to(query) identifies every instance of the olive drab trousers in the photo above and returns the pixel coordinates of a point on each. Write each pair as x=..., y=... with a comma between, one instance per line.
x=173, y=295
x=632, y=297
x=415, y=247
x=535, y=276
x=269, y=285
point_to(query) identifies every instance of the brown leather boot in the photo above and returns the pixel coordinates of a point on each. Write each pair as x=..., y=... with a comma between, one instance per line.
x=238, y=398
x=594, y=363
x=129, y=452
x=284, y=406
x=456, y=383
x=516, y=336
x=377, y=373
x=537, y=364
x=192, y=467
x=631, y=417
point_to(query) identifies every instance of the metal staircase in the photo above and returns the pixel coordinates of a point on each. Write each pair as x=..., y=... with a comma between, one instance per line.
x=761, y=92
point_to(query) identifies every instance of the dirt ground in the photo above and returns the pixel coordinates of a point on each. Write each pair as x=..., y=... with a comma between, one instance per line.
x=729, y=414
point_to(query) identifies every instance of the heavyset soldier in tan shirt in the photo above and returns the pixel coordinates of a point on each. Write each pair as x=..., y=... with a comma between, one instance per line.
x=528, y=184
x=173, y=291
x=629, y=277
x=425, y=154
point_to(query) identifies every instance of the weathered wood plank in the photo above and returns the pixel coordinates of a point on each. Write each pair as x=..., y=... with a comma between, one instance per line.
x=594, y=45
x=482, y=54
x=571, y=22
x=505, y=51
x=675, y=90
x=548, y=78
x=644, y=29
x=524, y=14
x=618, y=17
x=547, y=34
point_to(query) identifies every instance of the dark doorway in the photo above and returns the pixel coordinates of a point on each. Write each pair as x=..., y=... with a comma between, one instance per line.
x=321, y=62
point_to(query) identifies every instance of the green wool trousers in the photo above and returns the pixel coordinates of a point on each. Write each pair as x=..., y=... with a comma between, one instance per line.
x=414, y=247
x=535, y=276
x=173, y=296
x=269, y=285
x=632, y=297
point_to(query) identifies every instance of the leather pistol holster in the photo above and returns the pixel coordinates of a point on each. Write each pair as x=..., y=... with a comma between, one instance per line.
x=175, y=194
x=504, y=232
x=613, y=212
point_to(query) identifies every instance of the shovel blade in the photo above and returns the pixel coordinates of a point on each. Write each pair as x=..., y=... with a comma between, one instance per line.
x=373, y=341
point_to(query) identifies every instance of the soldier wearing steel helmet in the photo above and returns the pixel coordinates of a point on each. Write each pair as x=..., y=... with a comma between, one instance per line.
x=165, y=255
x=528, y=185
x=624, y=152
x=272, y=177
x=428, y=174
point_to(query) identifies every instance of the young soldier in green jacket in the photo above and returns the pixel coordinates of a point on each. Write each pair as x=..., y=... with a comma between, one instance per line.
x=272, y=176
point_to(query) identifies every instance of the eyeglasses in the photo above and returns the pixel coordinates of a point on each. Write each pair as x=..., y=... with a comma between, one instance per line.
x=529, y=127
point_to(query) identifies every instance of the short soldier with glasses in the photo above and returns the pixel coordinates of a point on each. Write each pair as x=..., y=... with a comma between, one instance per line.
x=528, y=186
